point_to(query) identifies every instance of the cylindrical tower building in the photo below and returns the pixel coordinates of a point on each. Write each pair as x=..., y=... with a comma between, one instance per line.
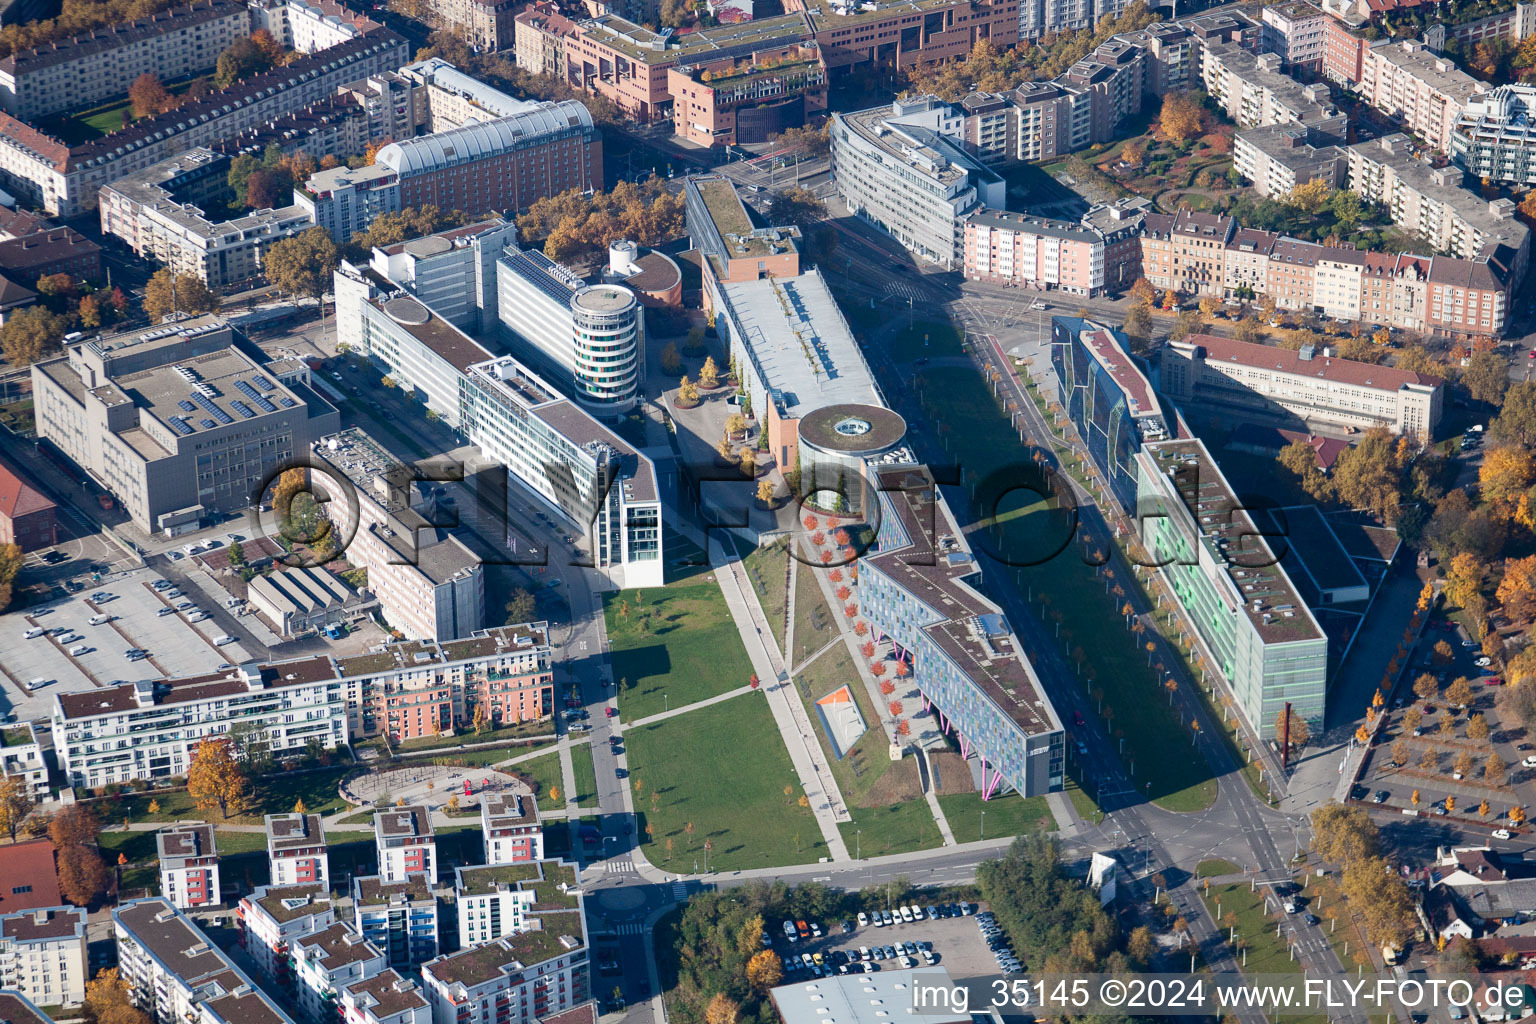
x=607, y=328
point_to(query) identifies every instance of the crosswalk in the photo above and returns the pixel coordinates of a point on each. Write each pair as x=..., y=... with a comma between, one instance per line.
x=679, y=891
x=630, y=928
x=620, y=867
x=904, y=290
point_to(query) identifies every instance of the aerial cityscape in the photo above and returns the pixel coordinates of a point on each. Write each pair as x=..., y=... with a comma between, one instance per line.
x=1072, y=465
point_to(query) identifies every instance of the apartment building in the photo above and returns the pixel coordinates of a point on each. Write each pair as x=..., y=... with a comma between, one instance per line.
x=1292, y=274
x=149, y=729
x=397, y=917
x=1039, y=252
x=177, y=975
x=483, y=24
x=540, y=971
x=325, y=962
x=82, y=71
x=1186, y=251
x=1311, y=386
x=737, y=100
x=50, y=250
x=177, y=422
x=429, y=583
x=405, y=844
x=309, y=26
x=1233, y=591
x=65, y=180
x=18, y=1009
x=481, y=167
x=1343, y=52
x=1430, y=202
x=901, y=168
x=1110, y=81
x=539, y=34
x=1251, y=90
x=1470, y=297
x=1278, y=157
x=1495, y=136
x=510, y=899
x=1405, y=79
x=1246, y=266
x=21, y=756
x=43, y=956
x=1297, y=31
x=159, y=213
x=510, y=825
x=606, y=490
x=453, y=99
x=189, y=866
x=386, y=998
x=273, y=917
x=296, y=850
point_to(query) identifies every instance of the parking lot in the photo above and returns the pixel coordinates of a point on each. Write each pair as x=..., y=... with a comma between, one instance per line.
x=177, y=645
x=955, y=943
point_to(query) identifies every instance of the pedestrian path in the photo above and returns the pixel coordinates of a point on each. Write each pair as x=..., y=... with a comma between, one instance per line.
x=674, y=712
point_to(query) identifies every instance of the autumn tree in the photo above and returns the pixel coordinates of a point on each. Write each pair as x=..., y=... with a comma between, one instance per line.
x=182, y=293
x=1506, y=474
x=392, y=228
x=1138, y=322
x=722, y=1009
x=1180, y=119
x=1343, y=835
x=1459, y=693
x=108, y=1000
x=1477, y=727
x=75, y=825
x=671, y=361
x=303, y=264
x=1486, y=376
x=709, y=374
x=30, y=335
x=1516, y=421
x=1494, y=769
x=1380, y=896
x=1300, y=459
x=764, y=970
x=82, y=875
x=148, y=97
x=1299, y=734
x=15, y=804
x=215, y=781
x=1464, y=580
x=687, y=392
x=1310, y=196
x=1369, y=474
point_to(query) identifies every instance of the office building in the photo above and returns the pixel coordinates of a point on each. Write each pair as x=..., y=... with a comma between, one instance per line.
x=1108, y=398
x=509, y=823
x=583, y=471
x=64, y=179
x=735, y=100
x=159, y=212
x=149, y=729
x=405, y=844
x=1262, y=637
x=453, y=272
x=1430, y=202
x=1495, y=136
x=189, y=866
x=178, y=422
x=501, y=900
x=902, y=169
x=386, y=998
x=920, y=589
x=735, y=249
x=1278, y=157
x=177, y=975
x=1251, y=90
x=482, y=167
x=397, y=917
x=325, y=962
x=1314, y=387
x=42, y=956
x=21, y=756
x=273, y=917
x=1295, y=30
x=80, y=72
x=1079, y=258
x=429, y=583
x=586, y=337
x=1406, y=80
x=296, y=850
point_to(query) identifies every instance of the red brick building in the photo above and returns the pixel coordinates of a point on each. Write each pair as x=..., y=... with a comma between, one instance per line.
x=55, y=251
x=27, y=517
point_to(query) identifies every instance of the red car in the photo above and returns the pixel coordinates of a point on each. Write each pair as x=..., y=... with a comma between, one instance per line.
x=611, y=712
x=1492, y=681
x=1077, y=717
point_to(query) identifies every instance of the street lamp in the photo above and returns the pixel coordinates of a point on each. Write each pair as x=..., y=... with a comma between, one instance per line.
x=983, y=825
x=858, y=844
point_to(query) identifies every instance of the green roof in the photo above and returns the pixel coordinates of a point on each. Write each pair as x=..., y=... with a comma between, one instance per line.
x=483, y=880
x=19, y=736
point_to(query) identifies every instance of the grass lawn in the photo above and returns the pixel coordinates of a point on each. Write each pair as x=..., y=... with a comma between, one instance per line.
x=723, y=768
x=545, y=773
x=928, y=339
x=767, y=568
x=814, y=625
x=672, y=646
x=230, y=841
x=586, y=774
x=1267, y=952
x=1214, y=866
x=275, y=794
x=1010, y=815
x=1031, y=533
x=899, y=828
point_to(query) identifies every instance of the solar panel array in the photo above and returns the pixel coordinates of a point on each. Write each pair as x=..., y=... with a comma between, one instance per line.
x=181, y=425
x=262, y=382
x=241, y=408
x=261, y=401
x=186, y=406
x=286, y=402
x=206, y=422
x=212, y=410
x=539, y=277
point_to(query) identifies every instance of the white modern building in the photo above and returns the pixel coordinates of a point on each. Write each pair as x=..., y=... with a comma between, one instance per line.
x=397, y=917
x=326, y=961
x=902, y=168
x=296, y=850
x=1495, y=136
x=150, y=728
x=453, y=272
x=189, y=866
x=405, y=843
x=177, y=975
x=21, y=756
x=42, y=956
x=499, y=900
x=510, y=825
x=1278, y=157
x=386, y=998
x=273, y=917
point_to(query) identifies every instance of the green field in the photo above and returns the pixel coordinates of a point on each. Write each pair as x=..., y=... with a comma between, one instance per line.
x=671, y=646
x=1267, y=953
x=814, y=624
x=1034, y=535
x=586, y=774
x=277, y=793
x=723, y=768
x=766, y=568
x=1010, y=815
x=545, y=773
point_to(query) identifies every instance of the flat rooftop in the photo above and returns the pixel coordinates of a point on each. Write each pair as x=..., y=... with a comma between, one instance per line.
x=339, y=946
x=1106, y=350
x=210, y=391
x=373, y=891
x=291, y=902
x=667, y=46
x=861, y=998
x=921, y=149
x=390, y=993
x=806, y=357
x=294, y=831
x=37, y=925
x=509, y=810
x=742, y=237
x=1443, y=186
x=403, y=822
x=1314, y=549
x=1232, y=540
x=1331, y=368
x=187, y=841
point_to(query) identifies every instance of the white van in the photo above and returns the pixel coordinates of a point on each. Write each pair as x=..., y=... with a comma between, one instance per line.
x=78, y=650
x=35, y=632
x=220, y=641
x=100, y=620
x=36, y=684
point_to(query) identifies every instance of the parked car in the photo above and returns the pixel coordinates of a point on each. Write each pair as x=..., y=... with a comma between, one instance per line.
x=1501, y=833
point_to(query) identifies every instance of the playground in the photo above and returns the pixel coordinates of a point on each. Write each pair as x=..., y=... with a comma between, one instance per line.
x=430, y=785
